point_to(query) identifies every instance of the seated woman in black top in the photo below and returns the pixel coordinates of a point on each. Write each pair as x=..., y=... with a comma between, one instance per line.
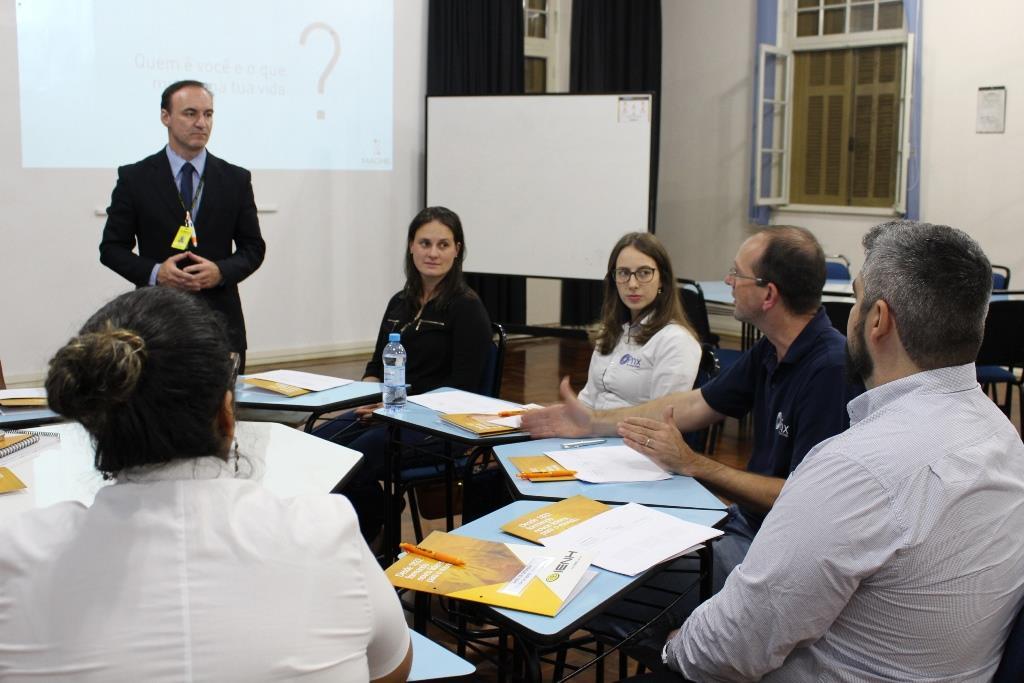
x=446, y=334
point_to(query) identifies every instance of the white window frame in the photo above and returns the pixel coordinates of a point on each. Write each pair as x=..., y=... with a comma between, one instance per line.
x=554, y=48
x=844, y=39
x=786, y=103
x=789, y=44
x=904, y=147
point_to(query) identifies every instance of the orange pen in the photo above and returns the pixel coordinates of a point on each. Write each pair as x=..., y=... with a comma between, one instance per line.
x=510, y=413
x=432, y=554
x=546, y=475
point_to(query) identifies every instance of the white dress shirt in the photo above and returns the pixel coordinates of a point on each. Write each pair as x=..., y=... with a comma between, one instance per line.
x=632, y=374
x=894, y=552
x=185, y=573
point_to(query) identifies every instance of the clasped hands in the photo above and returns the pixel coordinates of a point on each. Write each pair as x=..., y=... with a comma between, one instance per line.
x=659, y=440
x=202, y=273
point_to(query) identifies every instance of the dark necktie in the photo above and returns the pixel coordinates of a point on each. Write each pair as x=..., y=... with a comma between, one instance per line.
x=186, y=185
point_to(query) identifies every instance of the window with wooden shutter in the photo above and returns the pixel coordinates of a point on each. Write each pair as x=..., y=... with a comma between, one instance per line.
x=846, y=119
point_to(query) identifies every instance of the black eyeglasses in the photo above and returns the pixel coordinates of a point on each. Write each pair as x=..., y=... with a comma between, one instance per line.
x=734, y=274
x=236, y=361
x=643, y=275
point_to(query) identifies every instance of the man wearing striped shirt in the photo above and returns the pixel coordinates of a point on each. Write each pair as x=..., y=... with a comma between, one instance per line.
x=894, y=551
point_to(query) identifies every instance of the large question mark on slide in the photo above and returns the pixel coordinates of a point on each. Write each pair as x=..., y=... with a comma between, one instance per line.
x=320, y=114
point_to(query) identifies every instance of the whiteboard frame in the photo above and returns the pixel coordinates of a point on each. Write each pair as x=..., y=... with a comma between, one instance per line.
x=590, y=261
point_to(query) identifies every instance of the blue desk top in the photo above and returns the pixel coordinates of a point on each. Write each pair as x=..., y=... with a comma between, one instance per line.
x=419, y=418
x=605, y=587
x=677, y=492
x=16, y=418
x=431, y=661
x=339, y=398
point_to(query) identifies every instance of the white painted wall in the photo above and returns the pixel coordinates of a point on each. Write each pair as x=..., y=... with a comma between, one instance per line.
x=839, y=233
x=968, y=180
x=707, y=80
x=334, y=244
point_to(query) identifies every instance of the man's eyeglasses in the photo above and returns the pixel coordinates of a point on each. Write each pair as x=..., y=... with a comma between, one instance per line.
x=736, y=275
x=236, y=361
x=643, y=275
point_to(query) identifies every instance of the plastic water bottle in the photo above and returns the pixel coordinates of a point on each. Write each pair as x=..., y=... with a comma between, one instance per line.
x=394, y=372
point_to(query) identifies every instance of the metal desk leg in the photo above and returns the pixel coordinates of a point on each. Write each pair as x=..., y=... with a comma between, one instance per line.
x=313, y=417
x=449, y=487
x=421, y=612
x=502, y=654
x=707, y=573
x=392, y=523
x=531, y=660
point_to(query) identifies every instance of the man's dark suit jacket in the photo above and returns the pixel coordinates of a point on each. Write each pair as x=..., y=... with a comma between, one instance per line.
x=145, y=207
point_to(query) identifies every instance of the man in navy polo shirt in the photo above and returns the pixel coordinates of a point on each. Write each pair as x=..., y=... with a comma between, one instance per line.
x=792, y=382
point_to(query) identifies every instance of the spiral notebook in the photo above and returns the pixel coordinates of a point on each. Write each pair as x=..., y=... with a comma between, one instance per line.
x=12, y=441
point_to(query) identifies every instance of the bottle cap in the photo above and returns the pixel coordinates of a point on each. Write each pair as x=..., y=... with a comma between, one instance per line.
x=394, y=336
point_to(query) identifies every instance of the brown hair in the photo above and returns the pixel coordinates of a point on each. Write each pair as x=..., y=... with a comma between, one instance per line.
x=146, y=376
x=454, y=282
x=168, y=93
x=794, y=262
x=665, y=308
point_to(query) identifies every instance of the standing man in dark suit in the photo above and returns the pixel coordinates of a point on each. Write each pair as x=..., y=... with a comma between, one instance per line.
x=185, y=207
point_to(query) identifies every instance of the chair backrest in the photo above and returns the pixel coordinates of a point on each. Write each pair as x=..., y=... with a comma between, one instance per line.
x=837, y=267
x=490, y=384
x=706, y=371
x=1000, y=277
x=1011, y=666
x=1003, y=343
x=838, y=310
x=692, y=297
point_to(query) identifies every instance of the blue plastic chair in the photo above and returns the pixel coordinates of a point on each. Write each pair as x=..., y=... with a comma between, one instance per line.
x=704, y=440
x=1002, y=348
x=1000, y=277
x=837, y=267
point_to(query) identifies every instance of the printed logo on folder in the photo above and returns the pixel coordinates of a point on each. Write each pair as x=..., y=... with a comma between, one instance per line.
x=521, y=577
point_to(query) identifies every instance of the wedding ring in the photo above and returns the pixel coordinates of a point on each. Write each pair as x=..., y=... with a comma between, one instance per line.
x=647, y=444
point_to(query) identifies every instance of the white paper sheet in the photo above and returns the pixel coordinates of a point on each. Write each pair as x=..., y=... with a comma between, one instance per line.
x=606, y=464
x=589, y=576
x=34, y=392
x=631, y=538
x=462, y=402
x=303, y=380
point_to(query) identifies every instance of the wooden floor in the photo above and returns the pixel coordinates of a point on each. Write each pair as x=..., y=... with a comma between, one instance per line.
x=533, y=369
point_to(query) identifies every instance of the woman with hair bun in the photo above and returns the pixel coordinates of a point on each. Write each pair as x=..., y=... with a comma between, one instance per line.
x=183, y=569
x=645, y=345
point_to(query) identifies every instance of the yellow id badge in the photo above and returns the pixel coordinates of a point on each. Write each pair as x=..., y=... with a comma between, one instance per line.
x=181, y=239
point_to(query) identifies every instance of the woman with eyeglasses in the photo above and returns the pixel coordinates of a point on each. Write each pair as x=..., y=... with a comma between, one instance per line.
x=184, y=568
x=446, y=333
x=645, y=345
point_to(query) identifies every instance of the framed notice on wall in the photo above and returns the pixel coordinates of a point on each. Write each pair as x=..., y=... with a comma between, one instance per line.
x=991, y=109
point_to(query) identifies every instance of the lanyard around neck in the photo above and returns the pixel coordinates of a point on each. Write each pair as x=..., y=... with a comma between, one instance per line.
x=191, y=208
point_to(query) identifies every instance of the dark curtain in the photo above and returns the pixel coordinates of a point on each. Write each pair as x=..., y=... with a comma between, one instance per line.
x=616, y=47
x=475, y=47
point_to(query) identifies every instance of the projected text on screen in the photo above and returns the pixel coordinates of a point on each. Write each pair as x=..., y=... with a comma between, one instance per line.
x=297, y=85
